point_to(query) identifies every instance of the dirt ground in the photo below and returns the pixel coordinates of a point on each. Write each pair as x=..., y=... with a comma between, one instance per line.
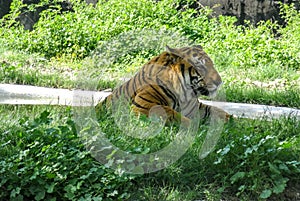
x=292, y=193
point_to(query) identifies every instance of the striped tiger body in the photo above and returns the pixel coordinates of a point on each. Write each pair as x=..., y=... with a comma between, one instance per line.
x=169, y=86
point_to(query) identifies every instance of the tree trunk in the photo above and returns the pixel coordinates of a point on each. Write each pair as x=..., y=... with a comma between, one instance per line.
x=252, y=10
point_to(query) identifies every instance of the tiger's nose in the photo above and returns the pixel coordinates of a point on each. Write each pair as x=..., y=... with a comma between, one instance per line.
x=218, y=82
x=213, y=88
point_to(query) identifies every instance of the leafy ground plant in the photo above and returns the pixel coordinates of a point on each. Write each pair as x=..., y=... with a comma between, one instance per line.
x=254, y=159
x=43, y=159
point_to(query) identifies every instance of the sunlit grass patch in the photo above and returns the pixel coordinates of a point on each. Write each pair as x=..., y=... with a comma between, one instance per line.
x=252, y=158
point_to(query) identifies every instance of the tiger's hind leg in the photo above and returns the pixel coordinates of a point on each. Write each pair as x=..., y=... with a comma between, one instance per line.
x=103, y=105
x=164, y=112
x=143, y=105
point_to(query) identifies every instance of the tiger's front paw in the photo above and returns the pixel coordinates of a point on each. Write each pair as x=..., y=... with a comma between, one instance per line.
x=186, y=122
x=228, y=117
x=221, y=114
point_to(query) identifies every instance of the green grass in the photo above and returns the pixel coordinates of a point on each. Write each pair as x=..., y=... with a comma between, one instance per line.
x=45, y=160
x=253, y=158
x=32, y=69
x=43, y=156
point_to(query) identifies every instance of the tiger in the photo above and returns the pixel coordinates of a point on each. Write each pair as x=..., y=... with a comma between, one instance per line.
x=169, y=85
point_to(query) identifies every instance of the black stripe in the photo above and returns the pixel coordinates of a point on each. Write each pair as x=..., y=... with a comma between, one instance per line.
x=151, y=70
x=161, y=101
x=188, y=52
x=161, y=97
x=195, y=50
x=178, y=77
x=127, y=84
x=185, y=106
x=143, y=73
x=157, y=98
x=207, y=111
x=182, y=68
x=143, y=78
x=203, y=91
x=182, y=84
x=139, y=79
x=199, y=75
x=162, y=68
x=145, y=99
x=134, y=85
x=184, y=49
x=190, y=111
x=168, y=93
x=156, y=59
x=204, y=69
x=119, y=91
x=199, y=81
x=168, y=62
x=138, y=105
x=191, y=76
x=191, y=62
x=161, y=84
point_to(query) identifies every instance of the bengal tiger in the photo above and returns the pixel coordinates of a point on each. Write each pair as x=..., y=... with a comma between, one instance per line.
x=170, y=84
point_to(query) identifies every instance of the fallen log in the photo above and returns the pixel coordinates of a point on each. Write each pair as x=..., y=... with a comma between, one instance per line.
x=32, y=95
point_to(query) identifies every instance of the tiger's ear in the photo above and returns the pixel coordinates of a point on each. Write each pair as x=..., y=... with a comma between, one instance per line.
x=174, y=51
x=199, y=46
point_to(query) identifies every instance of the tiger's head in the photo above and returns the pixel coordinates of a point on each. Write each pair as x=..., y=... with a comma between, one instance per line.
x=204, y=78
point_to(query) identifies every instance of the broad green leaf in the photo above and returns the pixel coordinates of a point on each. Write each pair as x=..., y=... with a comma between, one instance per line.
x=265, y=194
x=279, y=188
x=273, y=168
x=237, y=176
x=50, y=188
x=40, y=195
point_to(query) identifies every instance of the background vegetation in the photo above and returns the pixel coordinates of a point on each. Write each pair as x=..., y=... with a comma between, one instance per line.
x=42, y=157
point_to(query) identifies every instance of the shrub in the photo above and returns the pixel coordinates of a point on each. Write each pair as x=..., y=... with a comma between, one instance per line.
x=43, y=159
x=78, y=33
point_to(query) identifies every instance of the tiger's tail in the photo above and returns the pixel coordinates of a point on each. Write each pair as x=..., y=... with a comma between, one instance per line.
x=104, y=102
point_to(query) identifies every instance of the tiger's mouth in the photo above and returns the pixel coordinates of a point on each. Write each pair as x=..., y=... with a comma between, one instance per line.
x=213, y=88
x=204, y=90
x=212, y=93
x=200, y=90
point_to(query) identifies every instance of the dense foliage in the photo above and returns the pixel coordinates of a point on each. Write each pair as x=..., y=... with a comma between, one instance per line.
x=42, y=157
x=78, y=33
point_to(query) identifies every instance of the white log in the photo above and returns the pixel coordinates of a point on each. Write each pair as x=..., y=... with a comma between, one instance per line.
x=32, y=95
